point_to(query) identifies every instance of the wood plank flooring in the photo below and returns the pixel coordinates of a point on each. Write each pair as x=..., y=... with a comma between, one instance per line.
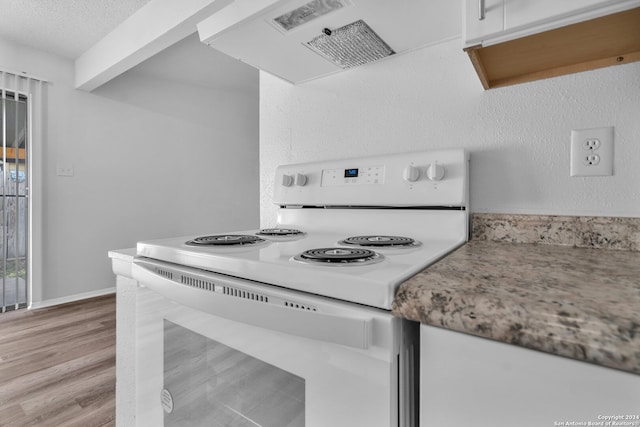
x=57, y=365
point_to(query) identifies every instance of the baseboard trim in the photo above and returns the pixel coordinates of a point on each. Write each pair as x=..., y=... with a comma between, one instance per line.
x=72, y=298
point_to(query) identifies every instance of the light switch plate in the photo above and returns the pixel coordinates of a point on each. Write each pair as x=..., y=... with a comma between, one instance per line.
x=592, y=152
x=64, y=169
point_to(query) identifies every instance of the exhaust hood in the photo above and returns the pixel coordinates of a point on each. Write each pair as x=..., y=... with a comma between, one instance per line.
x=301, y=40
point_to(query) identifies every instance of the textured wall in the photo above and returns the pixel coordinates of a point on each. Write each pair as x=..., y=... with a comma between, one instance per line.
x=519, y=137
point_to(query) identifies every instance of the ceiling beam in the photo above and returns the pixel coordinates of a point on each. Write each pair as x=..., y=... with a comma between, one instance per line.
x=156, y=26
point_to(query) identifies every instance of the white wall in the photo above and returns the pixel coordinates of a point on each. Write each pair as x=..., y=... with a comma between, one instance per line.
x=519, y=137
x=152, y=158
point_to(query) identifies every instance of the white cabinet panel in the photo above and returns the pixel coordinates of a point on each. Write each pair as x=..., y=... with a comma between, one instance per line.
x=471, y=381
x=477, y=27
x=520, y=13
x=510, y=19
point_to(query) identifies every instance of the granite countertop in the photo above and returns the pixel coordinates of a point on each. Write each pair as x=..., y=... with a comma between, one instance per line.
x=565, y=295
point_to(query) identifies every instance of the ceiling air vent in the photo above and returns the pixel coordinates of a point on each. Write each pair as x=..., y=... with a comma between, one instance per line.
x=352, y=45
x=307, y=12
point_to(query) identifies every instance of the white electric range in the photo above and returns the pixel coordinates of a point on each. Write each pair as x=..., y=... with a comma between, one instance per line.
x=303, y=308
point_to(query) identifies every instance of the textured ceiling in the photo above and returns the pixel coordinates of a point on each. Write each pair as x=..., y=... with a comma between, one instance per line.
x=63, y=27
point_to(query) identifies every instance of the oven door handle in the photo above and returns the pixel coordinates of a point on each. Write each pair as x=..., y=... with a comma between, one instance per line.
x=352, y=331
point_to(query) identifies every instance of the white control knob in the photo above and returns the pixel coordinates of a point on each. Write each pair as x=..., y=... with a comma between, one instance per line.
x=300, y=179
x=411, y=174
x=435, y=172
x=287, y=180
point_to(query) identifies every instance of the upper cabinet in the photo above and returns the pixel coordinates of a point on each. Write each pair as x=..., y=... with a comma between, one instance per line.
x=482, y=19
x=514, y=41
x=488, y=21
x=523, y=13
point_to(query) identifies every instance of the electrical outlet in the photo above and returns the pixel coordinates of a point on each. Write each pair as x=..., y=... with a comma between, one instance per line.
x=591, y=144
x=592, y=152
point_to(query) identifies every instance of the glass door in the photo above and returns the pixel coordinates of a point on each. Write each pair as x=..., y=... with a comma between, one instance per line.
x=217, y=385
x=13, y=202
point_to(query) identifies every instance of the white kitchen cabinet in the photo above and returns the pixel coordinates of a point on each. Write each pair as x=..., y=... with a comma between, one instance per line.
x=504, y=20
x=539, y=39
x=477, y=28
x=126, y=286
x=471, y=381
x=521, y=13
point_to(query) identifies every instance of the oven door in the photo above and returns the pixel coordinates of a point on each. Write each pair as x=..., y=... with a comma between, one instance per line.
x=218, y=351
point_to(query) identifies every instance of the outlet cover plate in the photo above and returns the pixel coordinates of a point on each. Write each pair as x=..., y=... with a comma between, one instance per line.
x=592, y=152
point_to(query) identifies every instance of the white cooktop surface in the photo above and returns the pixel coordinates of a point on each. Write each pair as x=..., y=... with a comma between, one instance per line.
x=272, y=262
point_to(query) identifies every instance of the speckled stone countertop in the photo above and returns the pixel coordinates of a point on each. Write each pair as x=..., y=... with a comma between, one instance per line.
x=549, y=290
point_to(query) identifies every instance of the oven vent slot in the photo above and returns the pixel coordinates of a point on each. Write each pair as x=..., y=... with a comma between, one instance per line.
x=198, y=283
x=299, y=306
x=164, y=273
x=239, y=293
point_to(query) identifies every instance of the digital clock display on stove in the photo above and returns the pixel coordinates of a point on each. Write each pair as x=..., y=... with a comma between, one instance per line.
x=351, y=173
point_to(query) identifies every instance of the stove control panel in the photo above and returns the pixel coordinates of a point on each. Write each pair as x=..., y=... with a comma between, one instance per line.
x=367, y=175
x=420, y=179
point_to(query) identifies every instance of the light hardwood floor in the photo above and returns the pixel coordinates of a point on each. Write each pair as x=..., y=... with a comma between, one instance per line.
x=57, y=365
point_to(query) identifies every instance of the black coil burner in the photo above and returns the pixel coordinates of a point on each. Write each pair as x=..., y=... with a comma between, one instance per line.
x=279, y=232
x=339, y=256
x=380, y=241
x=225, y=240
